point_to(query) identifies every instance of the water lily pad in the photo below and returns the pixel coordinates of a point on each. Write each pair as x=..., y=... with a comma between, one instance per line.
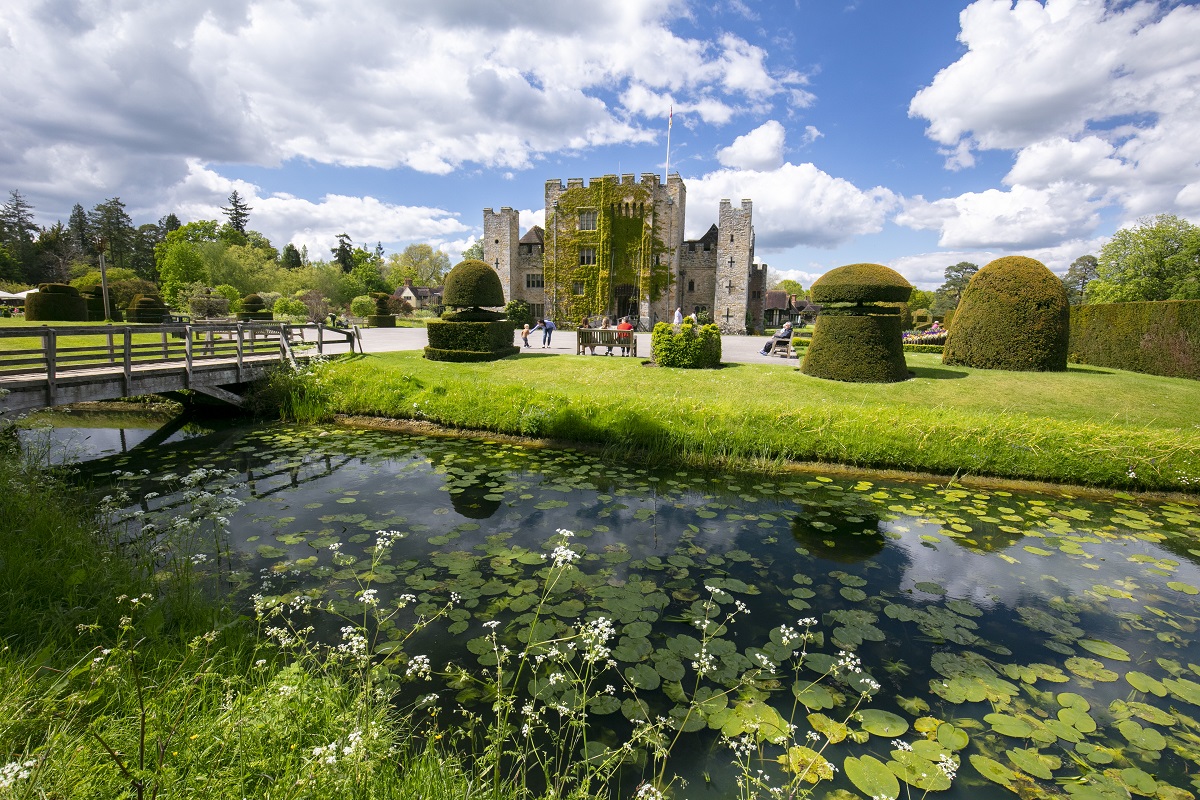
x=1104, y=649
x=1091, y=669
x=1008, y=725
x=918, y=772
x=816, y=696
x=882, y=723
x=1145, y=738
x=1036, y=764
x=871, y=777
x=993, y=770
x=951, y=737
x=806, y=764
x=831, y=729
x=1179, y=586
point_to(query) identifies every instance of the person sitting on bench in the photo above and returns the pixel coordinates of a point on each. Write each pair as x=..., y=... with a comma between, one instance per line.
x=783, y=336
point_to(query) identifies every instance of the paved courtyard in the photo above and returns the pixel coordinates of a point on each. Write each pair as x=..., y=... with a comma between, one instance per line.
x=742, y=349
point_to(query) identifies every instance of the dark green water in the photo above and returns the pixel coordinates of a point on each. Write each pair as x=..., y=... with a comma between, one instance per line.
x=1045, y=642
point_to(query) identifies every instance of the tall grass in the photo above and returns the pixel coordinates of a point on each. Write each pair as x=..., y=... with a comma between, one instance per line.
x=1088, y=427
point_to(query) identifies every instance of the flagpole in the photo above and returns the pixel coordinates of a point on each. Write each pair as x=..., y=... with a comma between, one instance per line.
x=670, y=119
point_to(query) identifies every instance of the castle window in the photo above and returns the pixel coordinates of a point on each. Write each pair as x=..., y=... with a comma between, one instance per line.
x=587, y=220
x=731, y=237
x=706, y=246
x=691, y=247
x=526, y=249
x=534, y=280
x=691, y=286
x=577, y=287
x=587, y=256
x=756, y=294
x=538, y=310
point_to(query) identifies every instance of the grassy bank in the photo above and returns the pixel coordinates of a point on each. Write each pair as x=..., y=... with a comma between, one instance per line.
x=1086, y=426
x=121, y=675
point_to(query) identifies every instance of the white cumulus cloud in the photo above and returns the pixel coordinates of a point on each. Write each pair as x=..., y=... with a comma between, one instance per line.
x=796, y=204
x=760, y=149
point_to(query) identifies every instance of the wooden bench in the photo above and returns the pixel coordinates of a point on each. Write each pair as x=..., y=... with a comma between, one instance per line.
x=591, y=338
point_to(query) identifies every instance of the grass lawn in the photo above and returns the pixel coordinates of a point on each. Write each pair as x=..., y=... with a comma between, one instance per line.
x=1087, y=426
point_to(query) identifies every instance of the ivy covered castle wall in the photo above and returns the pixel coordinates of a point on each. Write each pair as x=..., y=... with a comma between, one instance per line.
x=606, y=248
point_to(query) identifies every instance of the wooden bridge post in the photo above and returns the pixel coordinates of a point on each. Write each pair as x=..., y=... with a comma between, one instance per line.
x=111, y=354
x=187, y=353
x=50, y=345
x=240, y=339
x=320, y=338
x=128, y=360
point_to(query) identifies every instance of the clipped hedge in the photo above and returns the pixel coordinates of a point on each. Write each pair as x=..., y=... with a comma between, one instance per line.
x=924, y=348
x=473, y=284
x=56, y=302
x=1157, y=338
x=861, y=283
x=254, y=308
x=469, y=341
x=858, y=348
x=146, y=308
x=1013, y=315
x=95, y=307
x=381, y=320
x=692, y=348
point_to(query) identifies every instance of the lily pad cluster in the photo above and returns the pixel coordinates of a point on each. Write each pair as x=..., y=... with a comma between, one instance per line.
x=1033, y=644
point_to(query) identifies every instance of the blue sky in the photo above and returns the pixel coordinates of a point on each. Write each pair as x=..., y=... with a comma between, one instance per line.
x=913, y=134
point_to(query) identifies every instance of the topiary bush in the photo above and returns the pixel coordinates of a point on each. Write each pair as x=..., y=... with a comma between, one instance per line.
x=469, y=341
x=382, y=318
x=471, y=333
x=921, y=319
x=1014, y=315
x=858, y=334
x=254, y=308
x=56, y=302
x=146, y=308
x=693, y=347
x=1156, y=337
x=473, y=284
x=93, y=296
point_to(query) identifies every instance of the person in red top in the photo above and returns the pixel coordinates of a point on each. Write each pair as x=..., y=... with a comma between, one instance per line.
x=627, y=333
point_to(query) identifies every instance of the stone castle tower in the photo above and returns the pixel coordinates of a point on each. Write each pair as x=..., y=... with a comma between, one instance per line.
x=615, y=247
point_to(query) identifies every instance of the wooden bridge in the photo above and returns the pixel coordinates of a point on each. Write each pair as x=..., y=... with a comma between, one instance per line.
x=50, y=366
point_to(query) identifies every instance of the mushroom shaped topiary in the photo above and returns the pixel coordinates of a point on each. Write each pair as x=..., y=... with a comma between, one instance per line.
x=473, y=284
x=861, y=283
x=468, y=332
x=254, y=308
x=1014, y=314
x=858, y=335
x=146, y=308
x=56, y=302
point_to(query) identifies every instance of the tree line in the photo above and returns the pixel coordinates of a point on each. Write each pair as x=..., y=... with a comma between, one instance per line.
x=1156, y=259
x=176, y=259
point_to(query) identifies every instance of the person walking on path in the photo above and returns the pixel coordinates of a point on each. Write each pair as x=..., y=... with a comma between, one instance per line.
x=678, y=317
x=547, y=328
x=525, y=334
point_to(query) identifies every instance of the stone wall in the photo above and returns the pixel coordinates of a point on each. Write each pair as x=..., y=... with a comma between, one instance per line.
x=501, y=232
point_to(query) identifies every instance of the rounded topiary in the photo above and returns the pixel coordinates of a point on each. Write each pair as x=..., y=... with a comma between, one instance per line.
x=861, y=283
x=254, y=307
x=473, y=284
x=858, y=335
x=56, y=302
x=1014, y=314
x=146, y=308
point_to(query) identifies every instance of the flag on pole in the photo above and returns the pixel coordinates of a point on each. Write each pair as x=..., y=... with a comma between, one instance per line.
x=671, y=116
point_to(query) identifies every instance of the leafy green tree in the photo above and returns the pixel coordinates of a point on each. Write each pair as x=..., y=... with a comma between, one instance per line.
x=790, y=286
x=921, y=298
x=1158, y=259
x=291, y=257
x=475, y=251
x=112, y=229
x=18, y=233
x=145, y=242
x=420, y=262
x=237, y=212
x=169, y=223
x=1082, y=271
x=179, y=264
x=53, y=254
x=368, y=268
x=957, y=278
x=518, y=312
x=80, y=234
x=10, y=270
x=343, y=253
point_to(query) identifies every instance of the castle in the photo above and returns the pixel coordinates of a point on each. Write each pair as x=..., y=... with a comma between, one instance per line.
x=615, y=248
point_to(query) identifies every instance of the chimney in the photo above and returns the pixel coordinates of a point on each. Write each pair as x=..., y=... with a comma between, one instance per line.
x=408, y=282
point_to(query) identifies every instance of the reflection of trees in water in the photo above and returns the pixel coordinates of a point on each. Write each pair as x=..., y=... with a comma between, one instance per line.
x=838, y=534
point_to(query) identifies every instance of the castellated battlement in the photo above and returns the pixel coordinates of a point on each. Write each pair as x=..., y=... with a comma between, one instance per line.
x=503, y=210
x=648, y=179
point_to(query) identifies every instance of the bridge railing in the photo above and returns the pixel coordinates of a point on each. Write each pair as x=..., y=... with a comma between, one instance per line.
x=54, y=350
